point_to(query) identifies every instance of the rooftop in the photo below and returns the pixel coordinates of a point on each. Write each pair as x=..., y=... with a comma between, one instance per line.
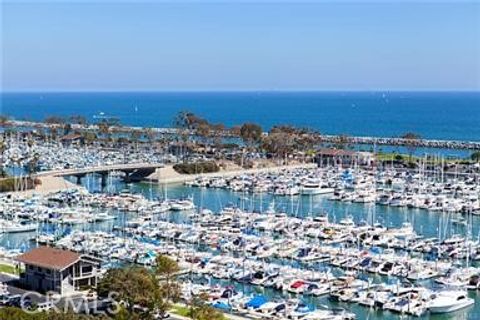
x=49, y=258
x=335, y=152
x=71, y=136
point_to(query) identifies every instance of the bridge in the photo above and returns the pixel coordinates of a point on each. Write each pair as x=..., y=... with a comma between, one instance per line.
x=134, y=172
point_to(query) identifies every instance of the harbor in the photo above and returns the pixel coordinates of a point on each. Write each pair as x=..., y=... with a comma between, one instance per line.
x=245, y=231
x=240, y=160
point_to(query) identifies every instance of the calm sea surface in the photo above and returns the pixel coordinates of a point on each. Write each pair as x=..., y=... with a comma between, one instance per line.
x=448, y=115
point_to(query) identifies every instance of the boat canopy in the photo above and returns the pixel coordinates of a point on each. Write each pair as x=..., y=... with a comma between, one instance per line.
x=222, y=306
x=256, y=302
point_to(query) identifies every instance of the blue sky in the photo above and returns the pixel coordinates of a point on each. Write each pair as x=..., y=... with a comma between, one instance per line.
x=241, y=46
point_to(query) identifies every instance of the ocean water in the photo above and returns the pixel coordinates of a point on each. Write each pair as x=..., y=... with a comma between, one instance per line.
x=446, y=115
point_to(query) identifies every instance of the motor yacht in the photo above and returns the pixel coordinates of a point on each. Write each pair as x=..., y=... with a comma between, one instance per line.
x=449, y=301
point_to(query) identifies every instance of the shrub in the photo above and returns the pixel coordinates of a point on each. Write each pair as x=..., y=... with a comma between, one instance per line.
x=8, y=184
x=196, y=168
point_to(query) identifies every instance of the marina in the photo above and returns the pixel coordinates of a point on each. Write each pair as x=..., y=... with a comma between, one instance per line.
x=246, y=232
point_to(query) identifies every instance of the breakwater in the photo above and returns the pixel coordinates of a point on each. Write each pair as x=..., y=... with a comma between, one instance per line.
x=334, y=139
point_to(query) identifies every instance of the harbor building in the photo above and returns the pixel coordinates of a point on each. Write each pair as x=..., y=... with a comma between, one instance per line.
x=336, y=157
x=61, y=271
x=72, y=139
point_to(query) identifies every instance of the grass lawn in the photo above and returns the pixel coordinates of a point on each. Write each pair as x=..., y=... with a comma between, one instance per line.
x=184, y=311
x=380, y=156
x=6, y=268
x=394, y=156
x=181, y=310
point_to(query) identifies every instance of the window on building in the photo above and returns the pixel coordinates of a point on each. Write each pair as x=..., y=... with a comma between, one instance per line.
x=87, y=269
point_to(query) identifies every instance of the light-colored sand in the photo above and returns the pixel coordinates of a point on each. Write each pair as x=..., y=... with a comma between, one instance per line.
x=50, y=184
x=165, y=175
x=168, y=175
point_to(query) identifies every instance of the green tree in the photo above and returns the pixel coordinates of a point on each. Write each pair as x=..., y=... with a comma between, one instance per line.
x=54, y=120
x=278, y=143
x=343, y=141
x=3, y=120
x=149, y=134
x=200, y=310
x=204, y=131
x=89, y=137
x=475, y=156
x=104, y=129
x=33, y=163
x=218, y=133
x=251, y=133
x=235, y=131
x=183, y=124
x=67, y=128
x=166, y=269
x=137, y=288
x=78, y=119
x=3, y=147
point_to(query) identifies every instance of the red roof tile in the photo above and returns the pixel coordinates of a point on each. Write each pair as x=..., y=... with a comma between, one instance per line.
x=50, y=258
x=335, y=152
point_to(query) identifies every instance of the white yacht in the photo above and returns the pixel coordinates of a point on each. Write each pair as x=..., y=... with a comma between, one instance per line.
x=313, y=186
x=102, y=216
x=449, y=301
x=8, y=226
x=182, y=205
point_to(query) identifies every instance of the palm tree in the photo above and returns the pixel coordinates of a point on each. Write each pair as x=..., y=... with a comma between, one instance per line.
x=54, y=120
x=78, y=119
x=3, y=147
x=343, y=141
x=150, y=135
x=33, y=164
x=135, y=137
x=180, y=122
x=475, y=156
x=104, y=128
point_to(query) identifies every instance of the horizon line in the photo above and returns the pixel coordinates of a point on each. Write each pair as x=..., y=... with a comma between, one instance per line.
x=453, y=90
